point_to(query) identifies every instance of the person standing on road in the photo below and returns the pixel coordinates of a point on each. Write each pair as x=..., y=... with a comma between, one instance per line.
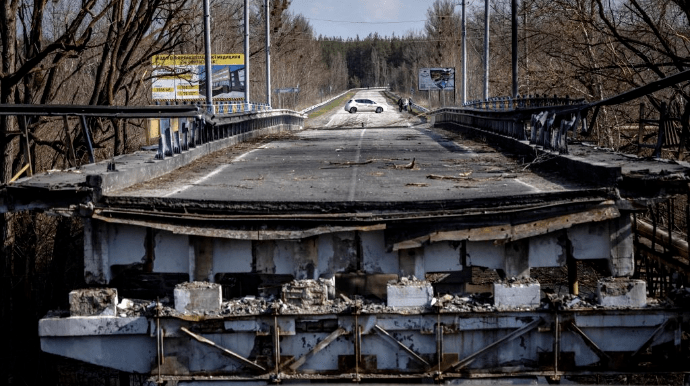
x=400, y=104
x=405, y=103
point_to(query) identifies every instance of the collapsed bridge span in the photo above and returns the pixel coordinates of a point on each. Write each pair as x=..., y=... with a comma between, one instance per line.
x=357, y=253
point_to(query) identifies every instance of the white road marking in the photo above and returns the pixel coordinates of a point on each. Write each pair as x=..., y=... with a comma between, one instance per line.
x=526, y=184
x=213, y=173
x=353, y=179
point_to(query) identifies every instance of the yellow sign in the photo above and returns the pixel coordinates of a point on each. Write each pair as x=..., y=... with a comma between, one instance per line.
x=183, y=77
x=197, y=60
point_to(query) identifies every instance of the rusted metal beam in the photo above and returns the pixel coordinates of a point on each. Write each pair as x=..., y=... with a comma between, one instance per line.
x=223, y=349
x=662, y=237
x=589, y=342
x=407, y=349
x=651, y=338
x=294, y=365
x=519, y=332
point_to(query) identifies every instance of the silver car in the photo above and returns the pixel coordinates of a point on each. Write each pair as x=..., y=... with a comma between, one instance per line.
x=354, y=105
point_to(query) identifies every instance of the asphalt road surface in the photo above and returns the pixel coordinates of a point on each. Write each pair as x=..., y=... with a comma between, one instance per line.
x=393, y=157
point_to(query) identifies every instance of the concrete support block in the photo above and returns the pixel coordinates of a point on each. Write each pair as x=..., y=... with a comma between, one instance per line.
x=512, y=295
x=92, y=302
x=409, y=294
x=622, y=292
x=198, y=297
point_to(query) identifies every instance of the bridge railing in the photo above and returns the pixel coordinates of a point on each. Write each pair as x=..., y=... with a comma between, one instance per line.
x=219, y=122
x=226, y=107
x=505, y=103
x=544, y=121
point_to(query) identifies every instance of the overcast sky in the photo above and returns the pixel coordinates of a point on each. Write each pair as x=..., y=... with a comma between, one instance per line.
x=349, y=18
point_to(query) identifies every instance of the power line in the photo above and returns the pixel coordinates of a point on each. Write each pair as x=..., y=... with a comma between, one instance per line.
x=366, y=22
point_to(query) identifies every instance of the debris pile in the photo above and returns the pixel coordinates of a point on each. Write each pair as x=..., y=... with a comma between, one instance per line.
x=513, y=281
x=136, y=307
x=471, y=303
x=318, y=297
x=93, y=301
x=307, y=293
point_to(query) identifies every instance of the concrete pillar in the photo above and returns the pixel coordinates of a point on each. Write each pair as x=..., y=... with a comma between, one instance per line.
x=412, y=262
x=96, y=265
x=517, y=259
x=622, y=259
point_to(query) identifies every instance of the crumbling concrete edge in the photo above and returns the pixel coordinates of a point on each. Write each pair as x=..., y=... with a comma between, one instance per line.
x=572, y=165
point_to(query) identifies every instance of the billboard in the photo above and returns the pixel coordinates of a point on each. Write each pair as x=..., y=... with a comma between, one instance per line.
x=437, y=78
x=183, y=77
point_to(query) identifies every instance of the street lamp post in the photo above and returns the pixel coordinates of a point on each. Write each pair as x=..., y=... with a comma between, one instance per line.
x=514, y=41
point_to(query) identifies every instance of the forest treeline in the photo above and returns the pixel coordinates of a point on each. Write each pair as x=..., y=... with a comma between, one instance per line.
x=99, y=52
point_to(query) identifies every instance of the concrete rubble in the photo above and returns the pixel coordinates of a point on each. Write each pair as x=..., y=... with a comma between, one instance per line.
x=312, y=297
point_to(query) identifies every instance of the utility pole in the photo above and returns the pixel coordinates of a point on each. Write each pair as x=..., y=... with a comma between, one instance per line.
x=514, y=33
x=268, y=55
x=207, y=53
x=464, y=54
x=486, y=49
x=246, y=51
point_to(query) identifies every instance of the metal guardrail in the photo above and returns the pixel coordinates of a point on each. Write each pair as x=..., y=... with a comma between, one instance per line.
x=522, y=102
x=193, y=132
x=226, y=107
x=544, y=121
